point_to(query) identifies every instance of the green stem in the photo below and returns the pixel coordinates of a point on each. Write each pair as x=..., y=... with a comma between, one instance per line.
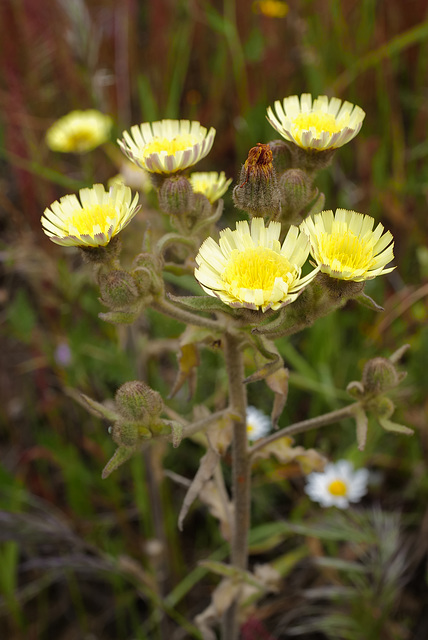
x=169, y=309
x=171, y=239
x=306, y=425
x=240, y=470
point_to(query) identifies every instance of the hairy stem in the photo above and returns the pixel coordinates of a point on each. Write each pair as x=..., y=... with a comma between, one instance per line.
x=240, y=470
x=306, y=425
x=169, y=309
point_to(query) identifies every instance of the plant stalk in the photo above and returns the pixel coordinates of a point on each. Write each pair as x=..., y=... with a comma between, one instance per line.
x=240, y=471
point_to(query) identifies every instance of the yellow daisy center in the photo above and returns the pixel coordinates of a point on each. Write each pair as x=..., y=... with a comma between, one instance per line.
x=170, y=146
x=91, y=219
x=256, y=268
x=346, y=251
x=319, y=120
x=338, y=488
x=81, y=139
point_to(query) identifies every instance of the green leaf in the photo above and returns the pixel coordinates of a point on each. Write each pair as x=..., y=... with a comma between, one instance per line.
x=202, y=303
x=368, y=302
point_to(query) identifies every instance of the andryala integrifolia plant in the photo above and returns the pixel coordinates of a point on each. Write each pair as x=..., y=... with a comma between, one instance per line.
x=255, y=289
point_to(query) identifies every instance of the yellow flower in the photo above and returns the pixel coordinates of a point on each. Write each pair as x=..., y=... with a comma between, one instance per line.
x=249, y=267
x=212, y=184
x=318, y=125
x=92, y=221
x=271, y=8
x=346, y=247
x=167, y=146
x=79, y=131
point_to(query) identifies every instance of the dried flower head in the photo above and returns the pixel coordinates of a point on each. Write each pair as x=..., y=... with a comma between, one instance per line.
x=249, y=267
x=346, y=247
x=91, y=221
x=317, y=125
x=79, y=131
x=167, y=146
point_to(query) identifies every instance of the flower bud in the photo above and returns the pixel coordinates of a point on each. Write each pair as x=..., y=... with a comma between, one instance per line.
x=382, y=407
x=137, y=401
x=258, y=192
x=118, y=289
x=176, y=195
x=125, y=433
x=281, y=155
x=147, y=274
x=379, y=375
x=297, y=192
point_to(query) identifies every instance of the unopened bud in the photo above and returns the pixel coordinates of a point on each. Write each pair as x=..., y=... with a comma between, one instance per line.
x=257, y=191
x=135, y=400
x=382, y=407
x=281, y=155
x=118, y=289
x=297, y=192
x=148, y=273
x=379, y=375
x=176, y=195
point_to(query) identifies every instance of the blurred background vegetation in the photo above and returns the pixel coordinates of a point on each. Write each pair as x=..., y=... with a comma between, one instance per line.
x=82, y=558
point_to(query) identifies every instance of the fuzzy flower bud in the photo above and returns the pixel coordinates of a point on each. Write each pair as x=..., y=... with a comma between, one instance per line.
x=281, y=155
x=147, y=274
x=297, y=192
x=258, y=192
x=118, y=289
x=128, y=434
x=382, y=407
x=135, y=400
x=379, y=375
x=176, y=195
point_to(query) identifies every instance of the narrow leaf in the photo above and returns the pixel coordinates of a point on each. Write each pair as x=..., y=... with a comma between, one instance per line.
x=205, y=472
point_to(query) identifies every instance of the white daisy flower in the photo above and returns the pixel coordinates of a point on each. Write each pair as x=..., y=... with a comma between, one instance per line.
x=258, y=424
x=167, y=146
x=317, y=125
x=337, y=485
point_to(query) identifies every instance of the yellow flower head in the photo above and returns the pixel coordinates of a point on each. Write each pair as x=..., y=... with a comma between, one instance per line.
x=317, y=125
x=271, y=8
x=249, y=267
x=212, y=184
x=346, y=247
x=167, y=146
x=79, y=131
x=92, y=221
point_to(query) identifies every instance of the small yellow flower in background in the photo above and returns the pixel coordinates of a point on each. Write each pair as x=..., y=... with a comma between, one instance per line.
x=167, y=146
x=337, y=485
x=346, y=247
x=258, y=424
x=271, y=8
x=249, y=267
x=317, y=125
x=212, y=184
x=92, y=221
x=79, y=131
x=133, y=177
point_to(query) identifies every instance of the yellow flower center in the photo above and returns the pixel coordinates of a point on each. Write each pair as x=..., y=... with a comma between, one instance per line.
x=346, y=251
x=319, y=120
x=271, y=8
x=170, y=146
x=338, y=488
x=256, y=268
x=91, y=219
x=81, y=140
